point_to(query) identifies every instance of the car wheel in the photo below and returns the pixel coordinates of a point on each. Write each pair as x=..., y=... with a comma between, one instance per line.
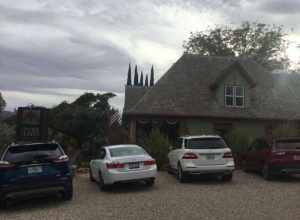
x=68, y=193
x=227, y=177
x=150, y=182
x=101, y=183
x=266, y=172
x=91, y=175
x=181, y=176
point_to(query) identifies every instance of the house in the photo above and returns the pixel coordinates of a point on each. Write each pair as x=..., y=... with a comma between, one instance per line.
x=208, y=95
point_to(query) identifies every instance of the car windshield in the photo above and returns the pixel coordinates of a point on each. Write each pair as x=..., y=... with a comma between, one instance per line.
x=206, y=143
x=288, y=144
x=126, y=151
x=36, y=152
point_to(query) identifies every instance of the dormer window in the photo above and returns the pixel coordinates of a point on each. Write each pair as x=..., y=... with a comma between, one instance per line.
x=234, y=96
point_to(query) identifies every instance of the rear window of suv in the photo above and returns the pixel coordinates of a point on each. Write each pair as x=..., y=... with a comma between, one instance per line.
x=36, y=152
x=206, y=143
x=292, y=144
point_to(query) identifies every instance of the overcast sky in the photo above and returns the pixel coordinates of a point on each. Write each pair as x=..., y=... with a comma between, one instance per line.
x=54, y=50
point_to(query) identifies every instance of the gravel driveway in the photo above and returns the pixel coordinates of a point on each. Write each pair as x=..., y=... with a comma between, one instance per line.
x=247, y=197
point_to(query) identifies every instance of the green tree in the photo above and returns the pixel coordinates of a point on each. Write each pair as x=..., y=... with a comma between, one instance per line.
x=263, y=43
x=7, y=134
x=86, y=120
x=2, y=103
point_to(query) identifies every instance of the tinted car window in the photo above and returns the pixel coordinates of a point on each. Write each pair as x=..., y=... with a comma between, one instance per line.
x=206, y=143
x=126, y=151
x=288, y=144
x=36, y=152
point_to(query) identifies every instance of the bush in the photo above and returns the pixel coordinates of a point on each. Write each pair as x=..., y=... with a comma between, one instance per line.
x=238, y=140
x=285, y=131
x=157, y=146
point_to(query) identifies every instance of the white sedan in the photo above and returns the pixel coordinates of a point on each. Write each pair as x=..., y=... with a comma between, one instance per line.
x=122, y=163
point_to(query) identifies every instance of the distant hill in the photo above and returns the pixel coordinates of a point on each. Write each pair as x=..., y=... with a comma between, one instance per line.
x=6, y=114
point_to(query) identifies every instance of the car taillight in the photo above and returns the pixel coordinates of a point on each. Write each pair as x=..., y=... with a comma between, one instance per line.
x=149, y=162
x=115, y=165
x=227, y=155
x=190, y=156
x=61, y=159
x=4, y=165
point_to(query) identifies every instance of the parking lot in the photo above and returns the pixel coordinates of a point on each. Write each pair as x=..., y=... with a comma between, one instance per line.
x=248, y=196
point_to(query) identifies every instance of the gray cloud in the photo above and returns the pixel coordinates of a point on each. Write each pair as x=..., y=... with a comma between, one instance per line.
x=282, y=7
x=52, y=50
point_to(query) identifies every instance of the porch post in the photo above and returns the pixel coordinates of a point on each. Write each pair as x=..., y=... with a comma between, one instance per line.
x=132, y=131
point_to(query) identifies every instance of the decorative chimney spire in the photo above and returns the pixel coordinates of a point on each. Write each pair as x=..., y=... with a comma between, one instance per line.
x=136, y=77
x=146, y=81
x=129, y=76
x=152, y=76
x=142, y=79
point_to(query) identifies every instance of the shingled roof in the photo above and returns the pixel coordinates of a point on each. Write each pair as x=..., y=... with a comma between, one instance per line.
x=187, y=90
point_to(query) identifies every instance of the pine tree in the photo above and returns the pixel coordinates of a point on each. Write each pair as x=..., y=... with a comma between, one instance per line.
x=146, y=81
x=152, y=77
x=136, y=77
x=142, y=79
x=129, y=76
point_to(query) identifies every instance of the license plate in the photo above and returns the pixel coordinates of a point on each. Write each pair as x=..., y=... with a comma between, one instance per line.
x=134, y=165
x=210, y=156
x=297, y=157
x=36, y=169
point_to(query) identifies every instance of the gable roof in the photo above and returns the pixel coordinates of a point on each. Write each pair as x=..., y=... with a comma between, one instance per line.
x=185, y=91
x=236, y=65
x=133, y=95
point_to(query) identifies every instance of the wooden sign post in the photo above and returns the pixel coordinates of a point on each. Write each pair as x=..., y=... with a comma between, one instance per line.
x=32, y=124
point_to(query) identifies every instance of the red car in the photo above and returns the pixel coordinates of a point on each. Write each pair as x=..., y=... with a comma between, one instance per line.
x=282, y=158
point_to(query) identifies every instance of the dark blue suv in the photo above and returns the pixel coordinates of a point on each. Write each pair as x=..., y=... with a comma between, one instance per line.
x=34, y=169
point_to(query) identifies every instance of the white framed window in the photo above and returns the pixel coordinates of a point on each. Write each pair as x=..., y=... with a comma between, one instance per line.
x=234, y=96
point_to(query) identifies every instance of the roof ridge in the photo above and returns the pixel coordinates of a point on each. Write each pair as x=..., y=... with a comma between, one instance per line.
x=219, y=56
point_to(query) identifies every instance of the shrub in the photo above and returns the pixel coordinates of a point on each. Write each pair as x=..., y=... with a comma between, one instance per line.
x=157, y=146
x=238, y=140
x=285, y=130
